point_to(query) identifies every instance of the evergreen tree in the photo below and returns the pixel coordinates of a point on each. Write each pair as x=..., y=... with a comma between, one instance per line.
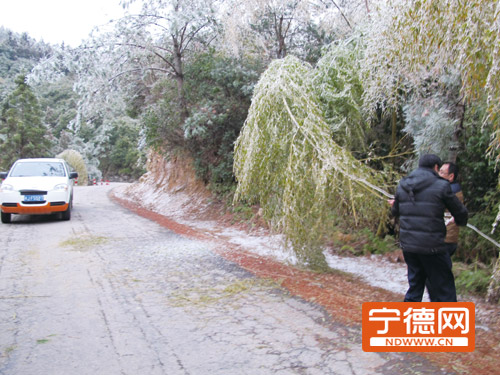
x=22, y=132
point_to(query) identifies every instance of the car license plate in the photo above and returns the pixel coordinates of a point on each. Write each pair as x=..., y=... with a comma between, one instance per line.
x=33, y=198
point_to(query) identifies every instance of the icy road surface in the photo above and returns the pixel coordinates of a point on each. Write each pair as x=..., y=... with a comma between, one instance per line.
x=110, y=293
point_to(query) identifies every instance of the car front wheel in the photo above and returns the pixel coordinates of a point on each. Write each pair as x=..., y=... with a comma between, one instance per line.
x=66, y=215
x=6, y=218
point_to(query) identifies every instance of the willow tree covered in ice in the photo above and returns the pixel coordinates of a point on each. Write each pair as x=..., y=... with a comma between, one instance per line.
x=287, y=161
x=338, y=82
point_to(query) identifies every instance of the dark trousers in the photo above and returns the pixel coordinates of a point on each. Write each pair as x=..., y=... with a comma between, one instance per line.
x=437, y=269
x=451, y=248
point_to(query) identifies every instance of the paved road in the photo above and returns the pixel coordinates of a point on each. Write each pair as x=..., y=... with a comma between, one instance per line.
x=111, y=293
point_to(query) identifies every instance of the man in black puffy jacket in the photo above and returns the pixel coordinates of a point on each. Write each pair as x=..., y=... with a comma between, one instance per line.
x=420, y=202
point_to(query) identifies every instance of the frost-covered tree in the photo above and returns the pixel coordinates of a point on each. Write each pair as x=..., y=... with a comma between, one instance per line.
x=344, y=16
x=431, y=126
x=121, y=155
x=431, y=119
x=129, y=66
x=124, y=60
x=220, y=90
x=410, y=43
x=158, y=39
x=287, y=161
x=273, y=29
x=75, y=160
x=22, y=132
x=18, y=54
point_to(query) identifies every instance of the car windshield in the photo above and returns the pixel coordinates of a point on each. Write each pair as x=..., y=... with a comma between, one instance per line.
x=36, y=169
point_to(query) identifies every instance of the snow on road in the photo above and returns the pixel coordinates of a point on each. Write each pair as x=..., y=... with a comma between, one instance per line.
x=374, y=270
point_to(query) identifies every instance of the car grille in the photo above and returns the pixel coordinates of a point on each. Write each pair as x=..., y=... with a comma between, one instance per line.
x=33, y=192
x=9, y=204
x=37, y=202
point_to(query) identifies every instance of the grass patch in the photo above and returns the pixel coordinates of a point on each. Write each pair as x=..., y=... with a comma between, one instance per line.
x=472, y=278
x=84, y=243
x=9, y=350
x=45, y=340
x=362, y=242
x=204, y=296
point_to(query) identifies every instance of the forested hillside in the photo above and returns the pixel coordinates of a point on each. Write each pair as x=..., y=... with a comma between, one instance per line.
x=312, y=110
x=54, y=108
x=18, y=55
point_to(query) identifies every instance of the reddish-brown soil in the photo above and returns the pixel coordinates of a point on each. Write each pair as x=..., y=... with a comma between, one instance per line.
x=342, y=296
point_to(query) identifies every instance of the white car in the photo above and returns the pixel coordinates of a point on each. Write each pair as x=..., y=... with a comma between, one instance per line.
x=37, y=187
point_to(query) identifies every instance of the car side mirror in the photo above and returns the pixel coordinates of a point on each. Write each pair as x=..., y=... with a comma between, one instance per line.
x=3, y=175
x=73, y=175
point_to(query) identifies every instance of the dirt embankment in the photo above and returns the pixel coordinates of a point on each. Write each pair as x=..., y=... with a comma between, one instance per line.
x=171, y=195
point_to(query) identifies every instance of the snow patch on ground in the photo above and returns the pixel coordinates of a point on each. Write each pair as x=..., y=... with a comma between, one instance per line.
x=376, y=272
x=172, y=205
x=373, y=270
x=261, y=243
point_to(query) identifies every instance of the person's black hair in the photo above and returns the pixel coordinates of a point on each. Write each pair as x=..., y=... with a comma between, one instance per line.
x=429, y=161
x=452, y=168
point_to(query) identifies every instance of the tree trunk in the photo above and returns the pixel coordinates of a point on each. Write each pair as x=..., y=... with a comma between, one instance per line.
x=281, y=39
x=493, y=295
x=394, y=123
x=460, y=113
x=179, y=78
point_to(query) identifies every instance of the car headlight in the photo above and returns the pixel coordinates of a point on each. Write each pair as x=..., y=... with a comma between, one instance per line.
x=6, y=188
x=61, y=187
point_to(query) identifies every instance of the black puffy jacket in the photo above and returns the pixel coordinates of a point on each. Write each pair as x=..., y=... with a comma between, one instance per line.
x=420, y=202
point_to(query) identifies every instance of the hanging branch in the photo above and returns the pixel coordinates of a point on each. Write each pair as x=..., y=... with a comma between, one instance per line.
x=286, y=160
x=343, y=15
